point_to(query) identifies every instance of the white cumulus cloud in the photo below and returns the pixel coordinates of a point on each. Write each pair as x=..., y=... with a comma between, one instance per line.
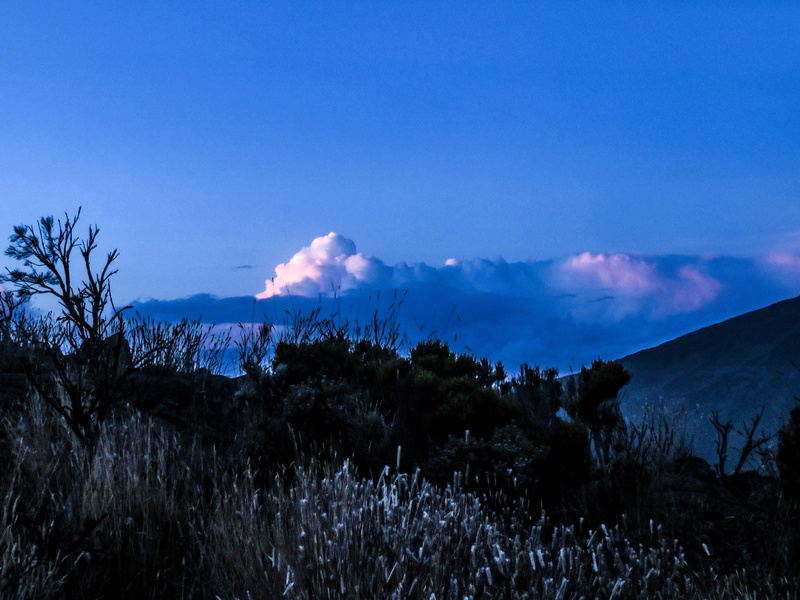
x=329, y=264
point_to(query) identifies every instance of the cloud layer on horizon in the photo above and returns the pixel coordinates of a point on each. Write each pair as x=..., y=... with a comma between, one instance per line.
x=626, y=284
x=555, y=313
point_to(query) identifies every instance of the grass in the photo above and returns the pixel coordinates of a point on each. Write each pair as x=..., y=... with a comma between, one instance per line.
x=150, y=516
x=99, y=500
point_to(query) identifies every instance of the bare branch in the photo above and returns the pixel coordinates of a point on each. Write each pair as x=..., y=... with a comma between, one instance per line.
x=751, y=444
x=253, y=346
x=723, y=431
x=82, y=384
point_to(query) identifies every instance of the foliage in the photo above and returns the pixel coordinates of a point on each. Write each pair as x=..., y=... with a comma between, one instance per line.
x=152, y=476
x=13, y=323
x=507, y=461
x=570, y=459
x=46, y=251
x=451, y=394
x=79, y=360
x=158, y=518
x=538, y=393
x=185, y=347
x=84, y=356
x=788, y=460
x=789, y=456
x=253, y=347
x=11, y=315
x=654, y=439
x=596, y=404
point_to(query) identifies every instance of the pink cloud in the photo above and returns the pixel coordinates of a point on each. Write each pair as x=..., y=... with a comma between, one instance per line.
x=617, y=271
x=625, y=285
x=783, y=267
x=786, y=260
x=330, y=263
x=693, y=290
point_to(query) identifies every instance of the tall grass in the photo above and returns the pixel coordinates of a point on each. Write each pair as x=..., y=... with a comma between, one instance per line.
x=151, y=517
x=401, y=537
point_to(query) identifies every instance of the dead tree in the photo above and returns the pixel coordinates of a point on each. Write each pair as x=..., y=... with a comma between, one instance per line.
x=747, y=432
x=82, y=356
x=723, y=431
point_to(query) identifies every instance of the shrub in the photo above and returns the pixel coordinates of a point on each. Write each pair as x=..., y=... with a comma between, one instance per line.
x=538, y=393
x=450, y=394
x=595, y=404
x=789, y=456
x=788, y=460
x=570, y=460
x=507, y=462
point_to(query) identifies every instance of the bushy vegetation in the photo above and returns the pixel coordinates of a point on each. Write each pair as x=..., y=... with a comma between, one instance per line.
x=340, y=465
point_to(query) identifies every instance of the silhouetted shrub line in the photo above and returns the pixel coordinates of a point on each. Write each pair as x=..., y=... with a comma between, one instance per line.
x=134, y=469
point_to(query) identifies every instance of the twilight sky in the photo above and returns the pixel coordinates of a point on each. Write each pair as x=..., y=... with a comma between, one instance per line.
x=569, y=179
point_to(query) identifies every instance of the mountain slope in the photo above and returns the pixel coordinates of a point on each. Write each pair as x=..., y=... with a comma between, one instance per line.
x=736, y=367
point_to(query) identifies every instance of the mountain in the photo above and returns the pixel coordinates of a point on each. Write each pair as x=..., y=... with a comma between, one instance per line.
x=736, y=367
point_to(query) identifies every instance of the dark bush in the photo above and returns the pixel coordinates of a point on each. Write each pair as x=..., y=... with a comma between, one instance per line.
x=789, y=457
x=788, y=460
x=538, y=394
x=509, y=461
x=570, y=462
x=450, y=394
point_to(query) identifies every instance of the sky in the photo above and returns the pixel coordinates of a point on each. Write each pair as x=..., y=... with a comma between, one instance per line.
x=561, y=179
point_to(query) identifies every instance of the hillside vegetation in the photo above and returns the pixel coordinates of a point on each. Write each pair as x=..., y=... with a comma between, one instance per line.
x=341, y=465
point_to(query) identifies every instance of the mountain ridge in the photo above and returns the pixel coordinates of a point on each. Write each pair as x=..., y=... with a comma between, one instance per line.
x=736, y=366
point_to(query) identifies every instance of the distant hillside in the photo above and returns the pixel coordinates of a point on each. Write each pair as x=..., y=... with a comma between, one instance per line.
x=736, y=366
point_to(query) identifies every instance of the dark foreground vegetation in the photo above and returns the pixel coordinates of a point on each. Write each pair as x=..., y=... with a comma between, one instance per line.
x=339, y=465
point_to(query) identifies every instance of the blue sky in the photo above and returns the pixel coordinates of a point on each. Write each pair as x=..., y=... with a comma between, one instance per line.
x=206, y=137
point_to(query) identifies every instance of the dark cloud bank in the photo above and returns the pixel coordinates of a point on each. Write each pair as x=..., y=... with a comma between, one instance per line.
x=560, y=313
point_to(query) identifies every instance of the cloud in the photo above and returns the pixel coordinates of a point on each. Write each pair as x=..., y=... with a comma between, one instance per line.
x=783, y=264
x=616, y=286
x=615, y=271
x=784, y=267
x=558, y=313
x=329, y=264
x=787, y=260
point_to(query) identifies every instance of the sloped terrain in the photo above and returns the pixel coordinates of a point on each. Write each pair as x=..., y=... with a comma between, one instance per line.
x=736, y=367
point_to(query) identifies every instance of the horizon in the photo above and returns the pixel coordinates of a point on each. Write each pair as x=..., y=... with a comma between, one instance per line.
x=557, y=313
x=595, y=178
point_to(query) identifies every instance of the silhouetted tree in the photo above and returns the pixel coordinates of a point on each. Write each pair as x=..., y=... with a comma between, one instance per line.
x=789, y=456
x=85, y=353
x=747, y=433
x=47, y=250
x=452, y=393
x=538, y=393
x=12, y=321
x=596, y=404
